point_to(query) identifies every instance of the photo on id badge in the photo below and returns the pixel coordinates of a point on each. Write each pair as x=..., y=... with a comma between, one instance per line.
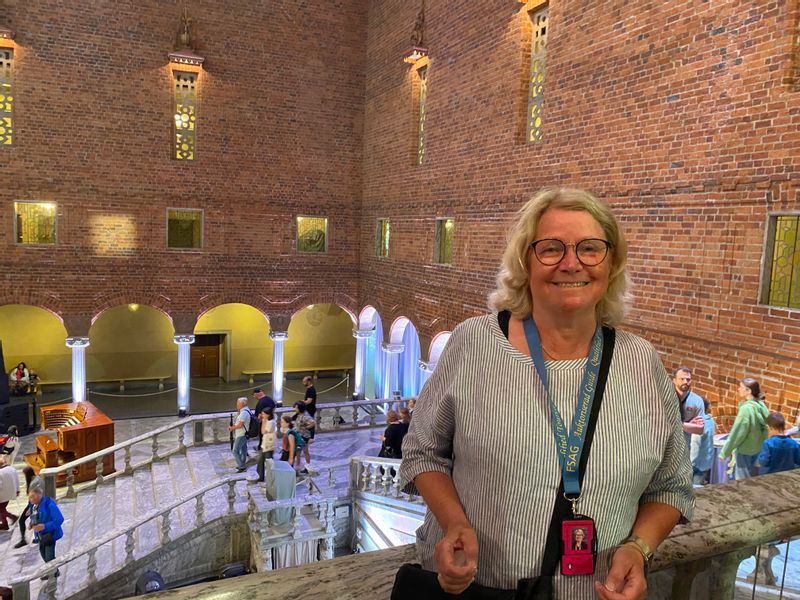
x=577, y=547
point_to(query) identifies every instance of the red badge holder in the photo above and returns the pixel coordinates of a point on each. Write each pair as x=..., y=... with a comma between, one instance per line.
x=578, y=546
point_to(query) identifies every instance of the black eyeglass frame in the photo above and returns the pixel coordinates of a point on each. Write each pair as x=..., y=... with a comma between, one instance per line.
x=608, y=245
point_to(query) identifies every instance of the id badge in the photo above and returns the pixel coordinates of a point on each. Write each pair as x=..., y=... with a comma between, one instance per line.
x=578, y=546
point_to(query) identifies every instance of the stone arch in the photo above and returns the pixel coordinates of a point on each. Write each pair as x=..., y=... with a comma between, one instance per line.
x=438, y=343
x=29, y=297
x=257, y=301
x=122, y=297
x=343, y=301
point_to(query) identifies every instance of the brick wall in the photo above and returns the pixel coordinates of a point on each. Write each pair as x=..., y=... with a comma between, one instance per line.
x=683, y=116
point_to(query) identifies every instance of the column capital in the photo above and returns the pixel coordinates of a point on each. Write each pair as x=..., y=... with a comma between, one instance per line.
x=183, y=338
x=279, y=336
x=393, y=348
x=428, y=367
x=363, y=334
x=77, y=341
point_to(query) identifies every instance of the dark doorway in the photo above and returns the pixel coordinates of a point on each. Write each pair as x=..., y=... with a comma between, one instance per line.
x=205, y=355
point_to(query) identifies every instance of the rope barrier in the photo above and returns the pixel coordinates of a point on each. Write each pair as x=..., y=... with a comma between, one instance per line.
x=247, y=389
x=41, y=404
x=132, y=395
x=346, y=379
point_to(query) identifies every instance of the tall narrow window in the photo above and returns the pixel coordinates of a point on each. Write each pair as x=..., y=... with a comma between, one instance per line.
x=35, y=222
x=423, y=96
x=185, y=115
x=6, y=97
x=312, y=234
x=443, y=250
x=536, y=82
x=382, y=238
x=184, y=228
x=781, y=286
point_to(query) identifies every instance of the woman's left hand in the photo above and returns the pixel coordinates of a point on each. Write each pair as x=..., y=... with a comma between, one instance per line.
x=39, y=527
x=625, y=580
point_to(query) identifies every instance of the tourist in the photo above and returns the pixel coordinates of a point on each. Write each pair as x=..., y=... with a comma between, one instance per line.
x=263, y=402
x=411, y=404
x=702, y=448
x=46, y=520
x=31, y=483
x=691, y=404
x=405, y=418
x=392, y=438
x=9, y=489
x=305, y=424
x=239, y=429
x=11, y=445
x=779, y=452
x=18, y=379
x=292, y=440
x=496, y=494
x=749, y=430
x=310, y=398
x=267, y=447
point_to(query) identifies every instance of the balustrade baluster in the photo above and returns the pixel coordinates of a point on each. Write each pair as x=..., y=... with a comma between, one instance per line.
x=373, y=480
x=355, y=416
x=396, y=483
x=165, y=518
x=296, y=523
x=372, y=418
x=331, y=478
x=231, y=496
x=330, y=516
x=337, y=418
x=181, y=444
x=91, y=567
x=50, y=586
x=130, y=545
x=199, y=508
x=364, y=476
x=128, y=467
x=98, y=470
x=215, y=431
x=386, y=480
x=70, y=483
x=154, y=448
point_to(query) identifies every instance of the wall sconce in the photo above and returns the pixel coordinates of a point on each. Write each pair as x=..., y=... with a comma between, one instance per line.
x=185, y=54
x=418, y=48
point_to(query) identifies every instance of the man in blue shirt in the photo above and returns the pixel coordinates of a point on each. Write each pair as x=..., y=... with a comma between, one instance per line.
x=702, y=448
x=692, y=405
x=779, y=452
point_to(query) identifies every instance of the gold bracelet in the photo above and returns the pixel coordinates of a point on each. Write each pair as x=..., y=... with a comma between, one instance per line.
x=641, y=546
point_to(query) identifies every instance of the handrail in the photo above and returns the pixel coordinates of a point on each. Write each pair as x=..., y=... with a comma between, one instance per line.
x=51, y=566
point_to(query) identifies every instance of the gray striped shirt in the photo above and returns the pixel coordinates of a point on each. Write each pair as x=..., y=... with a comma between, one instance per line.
x=483, y=418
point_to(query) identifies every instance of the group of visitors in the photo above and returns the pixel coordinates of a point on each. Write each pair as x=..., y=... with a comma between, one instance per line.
x=21, y=381
x=297, y=430
x=758, y=437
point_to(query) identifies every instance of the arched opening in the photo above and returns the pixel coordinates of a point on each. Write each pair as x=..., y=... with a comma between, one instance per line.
x=438, y=343
x=407, y=373
x=36, y=337
x=374, y=357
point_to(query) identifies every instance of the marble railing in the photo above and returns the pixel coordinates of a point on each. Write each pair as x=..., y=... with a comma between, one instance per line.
x=207, y=429
x=22, y=587
x=698, y=561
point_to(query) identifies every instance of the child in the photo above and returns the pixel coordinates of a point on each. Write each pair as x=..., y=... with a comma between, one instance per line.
x=779, y=452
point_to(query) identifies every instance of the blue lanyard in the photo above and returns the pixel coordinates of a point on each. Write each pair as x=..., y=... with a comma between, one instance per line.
x=569, y=445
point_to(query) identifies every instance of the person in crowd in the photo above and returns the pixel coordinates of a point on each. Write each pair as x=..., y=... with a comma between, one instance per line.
x=749, y=430
x=292, y=440
x=702, y=448
x=411, y=404
x=392, y=438
x=579, y=539
x=691, y=403
x=9, y=489
x=31, y=482
x=239, y=429
x=562, y=278
x=305, y=424
x=11, y=445
x=46, y=521
x=405, y=418
x=267, y=447
x=779, y=452
x=310, y=398
x=18, y=379
x=263, y=402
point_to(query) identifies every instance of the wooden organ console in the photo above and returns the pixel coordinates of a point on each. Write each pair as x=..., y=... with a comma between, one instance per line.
x=82, y=430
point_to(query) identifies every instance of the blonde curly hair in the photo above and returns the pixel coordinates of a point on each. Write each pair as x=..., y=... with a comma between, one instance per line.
x=513, y=281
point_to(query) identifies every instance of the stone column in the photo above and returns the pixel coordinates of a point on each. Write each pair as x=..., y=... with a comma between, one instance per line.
x=277, y=337
x=390, y=382
x=78, y=345
x=361, y=335
x=184, y=342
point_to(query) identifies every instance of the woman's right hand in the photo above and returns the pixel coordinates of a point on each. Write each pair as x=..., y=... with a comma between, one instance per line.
x=456, y=557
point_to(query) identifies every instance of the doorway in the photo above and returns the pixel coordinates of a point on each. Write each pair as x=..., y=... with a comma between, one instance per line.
x=205, y=355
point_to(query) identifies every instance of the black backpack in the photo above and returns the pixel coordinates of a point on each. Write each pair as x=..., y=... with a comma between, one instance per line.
x=254, y=427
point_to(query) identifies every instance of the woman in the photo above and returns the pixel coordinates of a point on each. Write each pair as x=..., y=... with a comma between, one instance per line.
x=267, y=443
x=392, y=438
x=9, y=490
x=305, y=424
x=749, y=430
x=579, y=540
x=18, y=379
x=291, y=440
x=492, y=491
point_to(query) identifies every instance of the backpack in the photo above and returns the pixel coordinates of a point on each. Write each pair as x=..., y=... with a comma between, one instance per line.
x=253, y=429
x=299, y=442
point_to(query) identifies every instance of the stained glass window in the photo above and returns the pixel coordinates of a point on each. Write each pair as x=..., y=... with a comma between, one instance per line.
x=6, y=97
x=536, y=82
x=185, y=115
x=184, y=228
x=35, y=222
x=443, y=250
x=312, y=234
x=783, y=262
x=382, y=248
x=423, y=96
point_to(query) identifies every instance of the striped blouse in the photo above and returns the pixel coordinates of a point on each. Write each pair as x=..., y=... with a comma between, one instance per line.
x=483, y=418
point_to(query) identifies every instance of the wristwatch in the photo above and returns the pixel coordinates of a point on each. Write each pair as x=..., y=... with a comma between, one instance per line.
x=642, y=546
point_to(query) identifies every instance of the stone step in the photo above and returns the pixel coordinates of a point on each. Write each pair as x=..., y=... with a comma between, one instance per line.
x=124, y=512
x=201, y=467
x=184, y=484
x=147, y=535
x=164, y=493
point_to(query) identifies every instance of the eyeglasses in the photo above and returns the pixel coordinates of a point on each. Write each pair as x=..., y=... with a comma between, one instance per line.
x=590, y=252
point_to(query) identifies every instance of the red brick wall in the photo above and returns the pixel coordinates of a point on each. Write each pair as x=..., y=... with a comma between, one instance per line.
x=682, y=115
x=279, y=134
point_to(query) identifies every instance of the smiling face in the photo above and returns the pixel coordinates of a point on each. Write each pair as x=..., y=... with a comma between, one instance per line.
x=568, y=288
